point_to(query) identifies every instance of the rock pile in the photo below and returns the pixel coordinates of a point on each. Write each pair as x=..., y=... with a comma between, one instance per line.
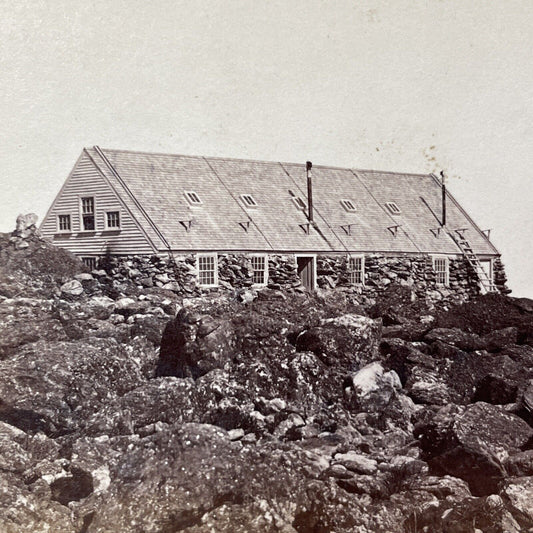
x=26, y=228
x=127, y=408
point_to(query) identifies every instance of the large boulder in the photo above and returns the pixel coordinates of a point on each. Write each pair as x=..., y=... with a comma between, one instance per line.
x=473, y=443
x=194, y=344
x=349, y=340
x=27, y=320
x=463, y=340
x=25, y=223
x=378, y=392
x=165, y=400
x=518, y=494
x=185, y=475
x=54, y=386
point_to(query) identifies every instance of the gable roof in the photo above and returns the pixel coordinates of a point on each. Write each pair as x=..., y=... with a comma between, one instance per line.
x=153, y=187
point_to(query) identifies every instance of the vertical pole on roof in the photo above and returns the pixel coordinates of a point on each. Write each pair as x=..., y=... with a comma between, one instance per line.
x=443, y=181
x=308, y=167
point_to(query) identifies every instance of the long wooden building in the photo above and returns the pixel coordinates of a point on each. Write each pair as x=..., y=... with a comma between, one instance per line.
x=326, y=222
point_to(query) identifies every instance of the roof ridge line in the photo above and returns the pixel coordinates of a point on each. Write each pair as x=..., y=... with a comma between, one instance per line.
x=222, y=158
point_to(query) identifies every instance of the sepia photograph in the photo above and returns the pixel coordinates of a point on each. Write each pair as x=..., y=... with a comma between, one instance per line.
x=266, y=266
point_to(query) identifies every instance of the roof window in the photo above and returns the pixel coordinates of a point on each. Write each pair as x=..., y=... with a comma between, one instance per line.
x=248, y=200
x=299, y=203
x=193, y=198
x=348, y=205
x=393, y=208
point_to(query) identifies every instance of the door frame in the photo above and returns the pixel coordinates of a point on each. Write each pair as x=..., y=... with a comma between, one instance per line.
x=313, y=256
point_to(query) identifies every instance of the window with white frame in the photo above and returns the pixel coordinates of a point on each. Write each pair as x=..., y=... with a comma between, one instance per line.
x=113, y=219
x=441, y=268
x=193, y=198
x=207, y=270
x=248, y=200
x=356, y=270
x=63, y=223
x=87, y=213
x=260, y=269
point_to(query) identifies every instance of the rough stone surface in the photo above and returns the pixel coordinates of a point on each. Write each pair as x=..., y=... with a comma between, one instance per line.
x=240, y=422
x=473, y=444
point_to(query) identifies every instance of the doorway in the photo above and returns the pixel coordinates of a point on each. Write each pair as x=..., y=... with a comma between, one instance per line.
x=306, y=270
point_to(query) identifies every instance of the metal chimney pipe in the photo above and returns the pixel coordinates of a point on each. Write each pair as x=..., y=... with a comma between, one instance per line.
x=443, y=181
x=308, y=167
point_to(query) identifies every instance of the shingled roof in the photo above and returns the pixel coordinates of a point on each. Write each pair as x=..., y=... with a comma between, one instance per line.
x=152, y=187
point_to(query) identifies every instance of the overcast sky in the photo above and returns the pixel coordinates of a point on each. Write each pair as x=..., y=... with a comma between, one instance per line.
x=393, y=85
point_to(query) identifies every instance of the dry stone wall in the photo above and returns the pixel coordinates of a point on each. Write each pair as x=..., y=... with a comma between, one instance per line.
x=235, y=272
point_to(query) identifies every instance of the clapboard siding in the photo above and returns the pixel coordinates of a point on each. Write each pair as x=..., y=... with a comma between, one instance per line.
x=85, y=180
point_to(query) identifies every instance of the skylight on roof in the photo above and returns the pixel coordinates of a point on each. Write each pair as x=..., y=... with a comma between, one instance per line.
x=248, y=200
x=299, y=203
x=393, y=208
x=193, y=198
x=348, y=205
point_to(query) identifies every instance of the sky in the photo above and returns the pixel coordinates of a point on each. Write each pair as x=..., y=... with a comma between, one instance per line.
x=415, y=86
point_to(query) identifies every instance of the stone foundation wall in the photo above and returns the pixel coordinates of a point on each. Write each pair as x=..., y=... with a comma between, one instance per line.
x=414, y=272
x=235, y=271
x=179, y=273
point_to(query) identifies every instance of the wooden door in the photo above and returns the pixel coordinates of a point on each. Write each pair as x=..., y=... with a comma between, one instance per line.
x=306, y=271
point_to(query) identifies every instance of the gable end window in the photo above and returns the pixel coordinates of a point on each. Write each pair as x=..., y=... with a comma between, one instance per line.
x=63, y=223
x=348, y=205
x=442, y=271
x=193, y=198
x=393, y=208
x=356, y=270
x=113, y=220
x=207, y=270
x=87, y=213
x=248, y=200
x=260, y=269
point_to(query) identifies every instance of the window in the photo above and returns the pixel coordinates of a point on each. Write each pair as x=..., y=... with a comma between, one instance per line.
x=299, y=203
x=89, y=262
x=260, y=269
x=193, y=198
x=248, y=200
x=207, y=270
x=63, y=223
x=87, y=213
x=356, y=270
x=348, y=205
x=113, y=219
x=393, y=208
x=440, y=266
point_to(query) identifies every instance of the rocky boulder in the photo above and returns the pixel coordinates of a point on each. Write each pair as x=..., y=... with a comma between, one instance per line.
x=53, y=387
x=473, y=444
x=194, y=344
x=349, y=340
